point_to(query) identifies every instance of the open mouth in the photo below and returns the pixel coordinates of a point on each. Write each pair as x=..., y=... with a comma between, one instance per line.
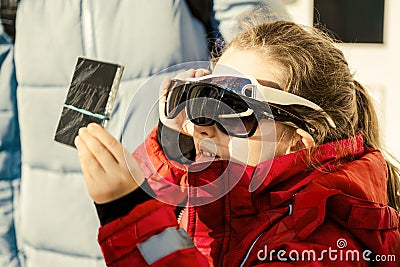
x=208, y=154
x=207, y=150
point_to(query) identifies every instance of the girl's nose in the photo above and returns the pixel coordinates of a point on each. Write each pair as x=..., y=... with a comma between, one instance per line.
x=206, y=131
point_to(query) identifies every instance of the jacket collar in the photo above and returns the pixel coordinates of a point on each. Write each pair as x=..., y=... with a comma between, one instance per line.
x=283, y=175
x=294, y=167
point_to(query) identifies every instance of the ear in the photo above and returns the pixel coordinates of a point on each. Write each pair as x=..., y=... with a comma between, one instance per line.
x=302, y=140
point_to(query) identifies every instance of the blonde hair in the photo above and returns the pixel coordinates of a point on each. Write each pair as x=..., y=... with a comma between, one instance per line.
x=317, y=70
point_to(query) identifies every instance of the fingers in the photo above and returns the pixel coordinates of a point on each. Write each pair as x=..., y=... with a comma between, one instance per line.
x=165, y=84
x=186, y=74
x=102, y=154
x=89, y=164
x=107, y=175
x=106, y=144
x=192, y=73
x=201, y=72
x=177, y=123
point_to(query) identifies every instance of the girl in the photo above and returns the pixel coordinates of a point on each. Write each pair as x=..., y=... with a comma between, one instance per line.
x=311, y=188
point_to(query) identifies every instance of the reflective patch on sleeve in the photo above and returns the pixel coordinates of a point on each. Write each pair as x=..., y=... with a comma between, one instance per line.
x=170, y=240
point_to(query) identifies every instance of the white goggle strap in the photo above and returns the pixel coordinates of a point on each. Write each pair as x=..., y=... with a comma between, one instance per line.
x=280, y=97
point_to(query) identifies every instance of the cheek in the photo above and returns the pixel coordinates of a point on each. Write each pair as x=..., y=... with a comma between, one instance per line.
x=256, y=149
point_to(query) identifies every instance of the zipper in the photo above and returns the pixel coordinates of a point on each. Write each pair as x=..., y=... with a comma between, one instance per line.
x=181, y=215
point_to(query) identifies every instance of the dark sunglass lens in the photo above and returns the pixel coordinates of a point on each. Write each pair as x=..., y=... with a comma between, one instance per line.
x=203, y=121
x=235, y=116
x=202, y=103
x=208, y=104
x=202, y=111
x=239, y=126
x=204, y=90
x=233, y=103
x=175, y=100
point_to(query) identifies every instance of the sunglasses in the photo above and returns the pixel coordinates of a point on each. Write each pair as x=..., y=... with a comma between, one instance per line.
x=234, y=104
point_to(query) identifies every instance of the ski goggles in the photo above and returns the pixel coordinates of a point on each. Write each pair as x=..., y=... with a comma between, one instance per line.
x=235, y=104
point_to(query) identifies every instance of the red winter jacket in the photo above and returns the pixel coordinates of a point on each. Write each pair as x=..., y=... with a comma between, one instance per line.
x=278, y=213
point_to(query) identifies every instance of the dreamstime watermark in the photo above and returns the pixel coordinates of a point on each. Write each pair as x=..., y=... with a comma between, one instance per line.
x=340, y=253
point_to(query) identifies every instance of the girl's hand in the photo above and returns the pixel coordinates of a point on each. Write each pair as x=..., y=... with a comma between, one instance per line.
x=110, y=172
x=180, y=123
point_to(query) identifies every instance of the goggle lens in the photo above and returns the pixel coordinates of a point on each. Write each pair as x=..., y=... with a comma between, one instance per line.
x=238, y=94
x=176, y=96
x=207, y=104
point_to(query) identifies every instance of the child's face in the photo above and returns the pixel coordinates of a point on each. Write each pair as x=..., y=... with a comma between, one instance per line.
x=210, y=142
